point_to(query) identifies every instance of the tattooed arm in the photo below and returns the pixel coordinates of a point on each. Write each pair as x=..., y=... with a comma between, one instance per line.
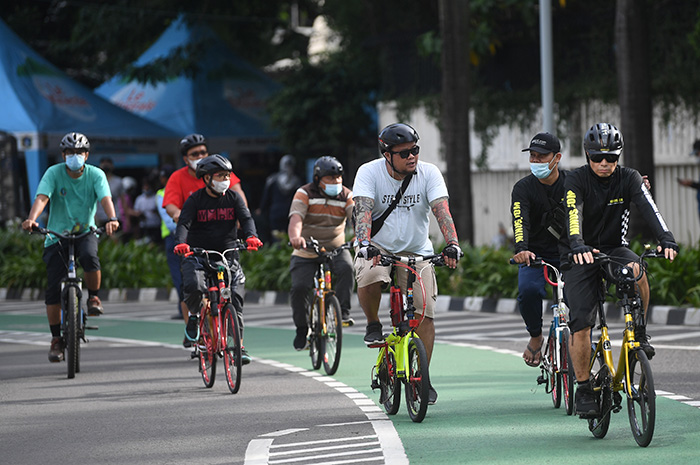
x=363, y=218
x=441, y=210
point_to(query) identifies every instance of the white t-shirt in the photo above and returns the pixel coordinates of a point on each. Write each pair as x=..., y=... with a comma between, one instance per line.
x=406, y=228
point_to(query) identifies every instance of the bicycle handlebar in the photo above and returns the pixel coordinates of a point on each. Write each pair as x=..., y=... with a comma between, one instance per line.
x=387, y=259
x=69, y=236
x=313, y=245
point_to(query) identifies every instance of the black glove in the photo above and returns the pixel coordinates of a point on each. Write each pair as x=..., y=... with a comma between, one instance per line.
x=581, y=249
x=668, y=245
x=368, y=251
x=453, y=251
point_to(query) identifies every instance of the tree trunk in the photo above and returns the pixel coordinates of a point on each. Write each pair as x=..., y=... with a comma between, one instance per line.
x=634, y=90
x=454, y=115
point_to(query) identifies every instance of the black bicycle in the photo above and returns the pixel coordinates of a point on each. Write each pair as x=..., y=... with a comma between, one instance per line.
x=73, y=313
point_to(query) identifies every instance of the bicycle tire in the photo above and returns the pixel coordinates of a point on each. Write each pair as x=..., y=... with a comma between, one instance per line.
x=641, y=406
x=554, y=375
x=315, y=344
x=389, y=384
x=599, y=426
x=70, y=334
x=207, y=345
x=232, y=348
x=417, y=381
x=567, y=373
x=333, y=335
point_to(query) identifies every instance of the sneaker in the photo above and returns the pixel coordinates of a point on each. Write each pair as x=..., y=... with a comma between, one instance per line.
x=347, y=319
x=186, y=343
x=94, y=305
x=641, y=336
x=56, y=350
x=373, y=334
x=192, y=329
x=300, y=340
x=432, y=395
x=245, y=358
x=586, y=402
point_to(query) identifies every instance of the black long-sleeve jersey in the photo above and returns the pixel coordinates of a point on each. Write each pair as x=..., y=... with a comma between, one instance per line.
x=598, y=209
x=532, y=204
x=210, y=223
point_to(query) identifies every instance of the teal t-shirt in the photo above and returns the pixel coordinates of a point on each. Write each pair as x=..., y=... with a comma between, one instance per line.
x=73, y=202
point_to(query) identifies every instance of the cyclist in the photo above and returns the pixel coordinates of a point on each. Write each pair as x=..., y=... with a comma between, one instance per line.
x=183, y=182
x=405, y=230
x=538, y=220
x=597, y=204
x=208, y=220
x=320, y=210
x=74, y=189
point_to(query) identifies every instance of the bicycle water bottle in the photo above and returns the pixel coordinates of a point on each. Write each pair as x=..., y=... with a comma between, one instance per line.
x=396, y=302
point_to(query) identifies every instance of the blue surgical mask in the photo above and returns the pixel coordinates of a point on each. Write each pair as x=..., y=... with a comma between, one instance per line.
x=540, y=170
x=332, y=190
x=75, y=162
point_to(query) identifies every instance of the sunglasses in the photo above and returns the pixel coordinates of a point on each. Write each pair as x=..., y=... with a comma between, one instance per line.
x=609, y=157
x=405, y=153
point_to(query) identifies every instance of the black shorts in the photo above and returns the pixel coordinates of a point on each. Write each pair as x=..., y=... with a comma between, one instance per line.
x=56, y=259
x=583, y=289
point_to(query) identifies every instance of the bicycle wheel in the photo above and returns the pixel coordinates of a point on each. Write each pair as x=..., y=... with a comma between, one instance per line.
x=567, y=372
x=554, y=381
x=232, y=348
x=207, y=348
x=417, y=380
x=333, y=335
x=389, y=384
x=641, y=405
x=70, y=333
x=599, y=426
x=315, y=343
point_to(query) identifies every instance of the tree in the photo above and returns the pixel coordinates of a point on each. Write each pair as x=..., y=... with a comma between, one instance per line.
x=454, y=115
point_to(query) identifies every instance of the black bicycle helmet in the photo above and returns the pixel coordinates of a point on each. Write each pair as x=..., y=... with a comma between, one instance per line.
x=394, y=134
x=75, y=141
x=213, y=164
x=603, y=138
x=190, y=141
x=326, y=166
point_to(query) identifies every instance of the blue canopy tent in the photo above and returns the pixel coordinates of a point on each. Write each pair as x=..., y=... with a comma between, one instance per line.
x=224, y=100
x=41, y=104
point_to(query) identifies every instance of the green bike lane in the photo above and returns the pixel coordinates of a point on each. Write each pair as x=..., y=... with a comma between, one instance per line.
x=489, y=409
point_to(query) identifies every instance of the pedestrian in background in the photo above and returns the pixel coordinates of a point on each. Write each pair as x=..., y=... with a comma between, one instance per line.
x=277, y=198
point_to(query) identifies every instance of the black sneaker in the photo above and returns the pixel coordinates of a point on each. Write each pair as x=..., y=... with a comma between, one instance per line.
x=586, y=402
x=347, y=319
x=192, y=329
x=300, y=340
x=641, y=336
x=245, y=358
x=94, y=305
x=373, y=334
x=432, y=395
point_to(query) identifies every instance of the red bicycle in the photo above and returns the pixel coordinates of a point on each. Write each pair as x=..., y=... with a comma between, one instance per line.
x=220, y=323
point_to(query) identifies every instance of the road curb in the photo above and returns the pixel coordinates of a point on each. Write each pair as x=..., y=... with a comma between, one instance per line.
x=658, y=314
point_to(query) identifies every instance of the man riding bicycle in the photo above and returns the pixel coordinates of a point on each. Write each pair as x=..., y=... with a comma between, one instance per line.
x=597, y=203
x=208, y=221
x=74, y=188
x=320, y=210
x=405, y=229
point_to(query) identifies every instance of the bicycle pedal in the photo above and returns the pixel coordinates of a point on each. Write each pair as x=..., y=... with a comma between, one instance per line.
x=375, y=384
x=93, y=327
x=193, y=355
x=541, y=380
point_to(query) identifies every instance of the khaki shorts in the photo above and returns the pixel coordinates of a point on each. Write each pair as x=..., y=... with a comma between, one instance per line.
x=366, y=275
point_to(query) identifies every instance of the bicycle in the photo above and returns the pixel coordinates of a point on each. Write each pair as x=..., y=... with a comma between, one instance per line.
x=219, y=325
x=73, y=314
x=324, y=313
x=402, y=356
x=633, y=374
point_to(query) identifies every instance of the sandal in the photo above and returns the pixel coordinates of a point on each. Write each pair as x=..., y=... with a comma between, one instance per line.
x=536, y=357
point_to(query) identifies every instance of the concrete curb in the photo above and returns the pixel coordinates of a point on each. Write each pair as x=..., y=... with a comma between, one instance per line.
x=658, y=314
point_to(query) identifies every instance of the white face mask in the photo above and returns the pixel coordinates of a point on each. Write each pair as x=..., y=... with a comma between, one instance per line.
x=193, y=163
x=220, y=186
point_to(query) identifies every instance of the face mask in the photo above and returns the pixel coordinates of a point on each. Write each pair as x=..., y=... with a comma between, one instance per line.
x=540, y=170
x=333, y=190
x=75, y=162
x=193, y=163
x=220, y=186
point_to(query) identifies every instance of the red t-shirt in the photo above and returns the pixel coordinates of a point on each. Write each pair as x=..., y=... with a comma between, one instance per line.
x=181, y=185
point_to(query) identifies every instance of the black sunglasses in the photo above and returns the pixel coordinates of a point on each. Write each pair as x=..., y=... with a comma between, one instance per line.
x=405, y=153
x=598, y=157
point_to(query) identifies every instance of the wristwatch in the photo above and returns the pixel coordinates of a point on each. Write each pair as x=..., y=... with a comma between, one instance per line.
x=114, y=218
x=364, y=243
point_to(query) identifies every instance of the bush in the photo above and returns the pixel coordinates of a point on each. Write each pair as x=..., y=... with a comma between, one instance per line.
x=484, y=271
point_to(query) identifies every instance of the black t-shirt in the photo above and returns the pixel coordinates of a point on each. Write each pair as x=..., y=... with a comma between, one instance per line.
x=532, y=211
x=210, y=223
